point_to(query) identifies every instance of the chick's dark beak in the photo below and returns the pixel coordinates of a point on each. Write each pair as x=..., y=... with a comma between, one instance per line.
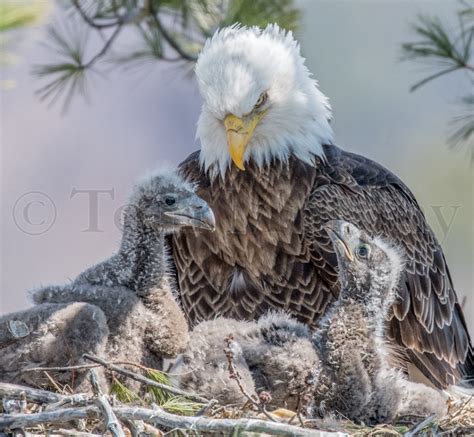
x=204, y=217
x=340, y=233
x=196, y=213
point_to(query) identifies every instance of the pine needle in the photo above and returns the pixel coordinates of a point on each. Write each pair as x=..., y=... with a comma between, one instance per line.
x=450, y=51
x=181, y=406
x=170, y=31
x=159, y=396
x=123, y=393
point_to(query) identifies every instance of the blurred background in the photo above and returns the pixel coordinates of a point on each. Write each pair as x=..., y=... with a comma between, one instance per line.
x=65, y=172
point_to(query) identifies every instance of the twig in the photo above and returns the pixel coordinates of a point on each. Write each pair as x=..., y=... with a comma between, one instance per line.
x=90, y=21
x=53, y=382
x=58, y=369
x=414, y=431
x=68, y=433
x=234, y=374
x=145, y=380
x=168, y=38
x=78, y=367
x=105, y=48
x=112, y=424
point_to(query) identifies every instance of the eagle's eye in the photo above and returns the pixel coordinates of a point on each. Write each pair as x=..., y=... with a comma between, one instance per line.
x=170, y=200
x=363, y=251
x=261, y=100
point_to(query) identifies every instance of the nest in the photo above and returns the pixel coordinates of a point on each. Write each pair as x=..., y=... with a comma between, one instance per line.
x=162, y=409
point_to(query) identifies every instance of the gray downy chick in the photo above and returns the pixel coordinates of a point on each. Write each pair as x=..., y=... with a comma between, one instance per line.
x=355, y=378
x=55, y=337
x=203, y=367
x=132, y=288
x=274, y=354
x=282, y=359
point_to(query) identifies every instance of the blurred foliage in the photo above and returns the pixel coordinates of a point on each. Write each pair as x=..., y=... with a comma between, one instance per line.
x=166, y=30
x=16, y=14
x=448, y=50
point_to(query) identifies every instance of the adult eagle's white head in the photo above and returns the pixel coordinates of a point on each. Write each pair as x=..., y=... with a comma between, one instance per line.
x=260, y=100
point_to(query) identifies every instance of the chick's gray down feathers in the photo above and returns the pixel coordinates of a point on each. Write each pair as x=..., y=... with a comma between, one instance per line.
x=342, y=369
x=356, y=379
x=203, y=368
x=274, y=354
x=59, y=335
x=132, y=290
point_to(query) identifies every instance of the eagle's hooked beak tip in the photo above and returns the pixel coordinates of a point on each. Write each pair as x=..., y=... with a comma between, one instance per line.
x=237, y=144
x=239, y=131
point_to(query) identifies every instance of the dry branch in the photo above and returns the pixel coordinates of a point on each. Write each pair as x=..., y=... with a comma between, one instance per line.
x=417, y=428
x=160, y=418
x=14, y=391
x=111, y=422
x=69, y=433
x=64, y=415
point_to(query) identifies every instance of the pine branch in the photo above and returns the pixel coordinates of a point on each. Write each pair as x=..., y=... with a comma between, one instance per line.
x=178, y=25
x=168, y=38
x=90, y=21
x=464, y=125
x=437, y=46
x=453, y=52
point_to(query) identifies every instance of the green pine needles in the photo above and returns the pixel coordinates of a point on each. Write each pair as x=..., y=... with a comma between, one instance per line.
x=166, y=400
x=164, y=30
x=447, y=51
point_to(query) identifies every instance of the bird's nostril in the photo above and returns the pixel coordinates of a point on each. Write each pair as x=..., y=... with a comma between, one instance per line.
x=198, y=207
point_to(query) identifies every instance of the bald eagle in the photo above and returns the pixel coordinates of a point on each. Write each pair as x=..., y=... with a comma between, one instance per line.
x=269, y=169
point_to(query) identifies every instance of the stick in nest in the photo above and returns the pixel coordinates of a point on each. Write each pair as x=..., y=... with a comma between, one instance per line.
x=264, y=397
x=111, y=421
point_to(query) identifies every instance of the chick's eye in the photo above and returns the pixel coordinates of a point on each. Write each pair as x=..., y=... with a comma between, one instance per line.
x=261, y=100
x=363, y=251
x=170, y=200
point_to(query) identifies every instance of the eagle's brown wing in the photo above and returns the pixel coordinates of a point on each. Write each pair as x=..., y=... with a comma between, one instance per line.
x=427, y=320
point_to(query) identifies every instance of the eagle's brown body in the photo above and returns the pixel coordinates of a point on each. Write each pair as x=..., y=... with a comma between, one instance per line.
x=270, y=251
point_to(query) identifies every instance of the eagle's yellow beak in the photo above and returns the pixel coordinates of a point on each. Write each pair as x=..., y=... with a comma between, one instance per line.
x=239, y=132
